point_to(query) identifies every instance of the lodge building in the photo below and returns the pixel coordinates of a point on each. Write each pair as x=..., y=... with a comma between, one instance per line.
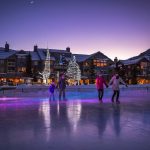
x=19, y=66
x=136, y=70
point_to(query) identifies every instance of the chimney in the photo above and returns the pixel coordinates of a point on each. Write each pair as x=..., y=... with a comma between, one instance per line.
x=115, y=60
x=35, y=48
x=68, y=49
x=6, y=47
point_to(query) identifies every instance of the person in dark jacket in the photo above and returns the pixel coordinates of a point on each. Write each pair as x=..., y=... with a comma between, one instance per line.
x=62, y=87
x=52, y=90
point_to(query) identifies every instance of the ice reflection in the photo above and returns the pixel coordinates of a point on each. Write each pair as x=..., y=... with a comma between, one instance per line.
x=116, y=119
x=44, y=110
x=58, y=108
x=74, y=110
x=103, y=119
x=36, y=123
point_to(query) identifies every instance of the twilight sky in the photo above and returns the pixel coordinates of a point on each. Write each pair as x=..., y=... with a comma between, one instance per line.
x=115, y=27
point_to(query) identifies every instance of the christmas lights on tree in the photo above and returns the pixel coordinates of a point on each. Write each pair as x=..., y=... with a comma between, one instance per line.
x=73, y=71
x=46, y=72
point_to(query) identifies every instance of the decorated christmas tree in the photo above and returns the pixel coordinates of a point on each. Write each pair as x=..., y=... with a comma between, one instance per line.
x=73, y=71
x=46, y=72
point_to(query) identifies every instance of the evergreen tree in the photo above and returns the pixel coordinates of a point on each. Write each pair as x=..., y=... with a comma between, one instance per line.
x=73, y=71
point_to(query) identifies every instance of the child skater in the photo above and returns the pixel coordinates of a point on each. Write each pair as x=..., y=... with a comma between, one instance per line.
x=52, y=90
x=100, y=81
x=115, y=81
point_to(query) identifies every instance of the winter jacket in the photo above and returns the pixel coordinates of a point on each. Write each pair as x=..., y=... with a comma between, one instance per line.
x=52, y=88
x=62, y=84
x=115, y=82
x=100, y=81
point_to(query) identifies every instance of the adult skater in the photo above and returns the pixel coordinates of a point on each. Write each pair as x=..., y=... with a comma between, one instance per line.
x=100, y=81
x=62, y=87
x=115, y=82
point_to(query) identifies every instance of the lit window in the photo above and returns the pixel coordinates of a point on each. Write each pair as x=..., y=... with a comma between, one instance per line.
x=21, y=69
x=143, y=65
x=100, y=62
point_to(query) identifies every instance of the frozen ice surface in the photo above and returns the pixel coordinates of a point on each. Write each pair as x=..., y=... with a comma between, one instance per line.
x=30, y=122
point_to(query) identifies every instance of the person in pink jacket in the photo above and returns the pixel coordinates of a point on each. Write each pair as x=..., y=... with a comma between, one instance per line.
x=100, y=81
x=115, y=82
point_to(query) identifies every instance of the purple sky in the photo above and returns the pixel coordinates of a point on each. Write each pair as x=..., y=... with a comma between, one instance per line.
x=115, y=27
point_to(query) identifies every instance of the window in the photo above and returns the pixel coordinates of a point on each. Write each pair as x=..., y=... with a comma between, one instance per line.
x=11, y=63
x=22, y=69
x=21, y=57
x=1, y=62
x=143, y=65
x=52, y=62
x=86, y=64
x=100, y=62
x=11, y=69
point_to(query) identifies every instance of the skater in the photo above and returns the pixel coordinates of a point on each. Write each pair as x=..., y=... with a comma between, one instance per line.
x=52, y=90
x=62, y=87
x=115, y=81
x=100, y=81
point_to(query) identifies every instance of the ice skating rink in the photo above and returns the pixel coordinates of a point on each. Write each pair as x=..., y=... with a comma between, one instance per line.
x=30, y=121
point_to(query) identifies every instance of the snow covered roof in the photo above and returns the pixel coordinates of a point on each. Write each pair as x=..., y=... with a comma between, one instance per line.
x=132, y=61
x=81, y=57
x=5, y=54
x=147, y=57
x=22, y=52
x=40, y=55
x=58, y=51
x=34, y=56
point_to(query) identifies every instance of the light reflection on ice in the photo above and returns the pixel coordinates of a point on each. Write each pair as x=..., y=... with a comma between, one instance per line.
x=74, y=110
x=44, y=109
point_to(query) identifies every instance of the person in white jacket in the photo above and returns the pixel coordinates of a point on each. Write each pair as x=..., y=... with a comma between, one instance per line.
x=115, y=82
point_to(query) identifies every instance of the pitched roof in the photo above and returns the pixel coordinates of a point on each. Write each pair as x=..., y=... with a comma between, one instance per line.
x=143, y=54
x=58, y=51
x=40, y=55
x=5, y=54
x=34, y=56
x=81, y=57
x=132, y=61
